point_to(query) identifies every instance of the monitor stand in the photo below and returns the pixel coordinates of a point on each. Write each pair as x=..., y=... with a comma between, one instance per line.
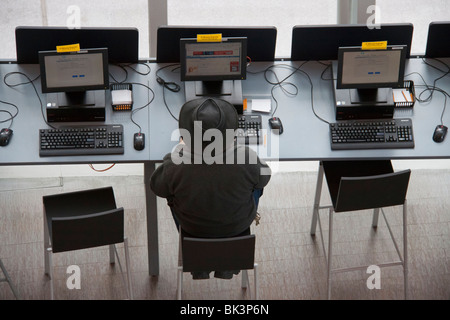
x=76, y=106
x=91, y=98
x=370, y=96
x=229, y=90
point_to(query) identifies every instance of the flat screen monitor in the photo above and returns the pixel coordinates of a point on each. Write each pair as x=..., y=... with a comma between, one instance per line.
x=213, y=61
x=368, y=72
x=75, y=74
x=214, y=68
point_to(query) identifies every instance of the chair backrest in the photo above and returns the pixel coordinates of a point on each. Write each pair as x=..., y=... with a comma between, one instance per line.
x=88, y=231
x=378, y=191
x=83, y=219
x=218, y=254
x=78, y=203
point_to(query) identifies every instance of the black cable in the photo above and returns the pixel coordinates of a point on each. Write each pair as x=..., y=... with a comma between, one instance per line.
x=140, y=108
x=432, y=88
x=124, y=66
x=428, y=88
x=124, y=70
x=139, y=72
x=281, y=83
x=328, y=66
x=442, y=62
x=34, y=87
x=171, y=86
x=11, y=117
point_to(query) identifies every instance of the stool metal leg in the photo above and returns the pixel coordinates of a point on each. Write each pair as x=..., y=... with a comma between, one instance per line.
x=179, y=282
x=255, y=270
x=46, y=245
x=376, y=213
x=50, y=272
x=317, y=199
x=8, y=279
x=330, y=245
x=244, y=279
x=405, y=251
x=112, y=257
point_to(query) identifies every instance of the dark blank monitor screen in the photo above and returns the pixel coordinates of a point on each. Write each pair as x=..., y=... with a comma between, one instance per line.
x=71, y=72
x=359, y=69
x=213, y=61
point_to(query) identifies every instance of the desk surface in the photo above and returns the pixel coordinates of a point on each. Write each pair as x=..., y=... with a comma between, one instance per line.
x=305, y=137
x=23, y=148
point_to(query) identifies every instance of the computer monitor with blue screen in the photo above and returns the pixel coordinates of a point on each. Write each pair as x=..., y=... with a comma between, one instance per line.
x=214, y=69
x=371, y=74
x=75, y=79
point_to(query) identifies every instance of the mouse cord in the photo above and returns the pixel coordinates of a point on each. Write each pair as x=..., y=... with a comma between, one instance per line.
x=312, y=98
x=144, y=106
x=34, y=87
x=11, y=116
x=282, y=84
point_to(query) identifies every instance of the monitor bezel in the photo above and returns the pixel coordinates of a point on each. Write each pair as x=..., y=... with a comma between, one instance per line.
x=374, y=85
x=105, y=67
x=243, y=61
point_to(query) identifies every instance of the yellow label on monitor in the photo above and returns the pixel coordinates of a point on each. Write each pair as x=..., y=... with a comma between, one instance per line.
x=216, y=37
x=68, y=48
x=374, y=45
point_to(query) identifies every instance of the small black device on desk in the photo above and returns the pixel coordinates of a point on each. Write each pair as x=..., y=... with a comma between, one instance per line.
x=249, y=129
x=5, y=136
x=81, y=140
x=276, y=124
x=372, y=134
x=139, y=141
x=439, y=133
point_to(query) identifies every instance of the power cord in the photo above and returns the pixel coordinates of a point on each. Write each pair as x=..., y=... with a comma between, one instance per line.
x=171, y=86
x=23, y=83
x=282, y=83
x=144, y=106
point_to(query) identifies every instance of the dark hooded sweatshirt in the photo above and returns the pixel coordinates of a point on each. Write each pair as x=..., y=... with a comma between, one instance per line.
x=209, y=198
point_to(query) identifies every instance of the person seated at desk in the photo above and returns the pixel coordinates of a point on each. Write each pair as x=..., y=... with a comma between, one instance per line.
x=212, y=187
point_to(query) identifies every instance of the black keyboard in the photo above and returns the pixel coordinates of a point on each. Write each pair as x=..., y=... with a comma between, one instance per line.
x=249, y=129
x=372, y=134
x=81, y=140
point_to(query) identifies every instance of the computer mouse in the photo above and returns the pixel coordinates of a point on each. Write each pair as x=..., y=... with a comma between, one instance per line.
x=439, y=133
x=275, y=123
x=139, y=141
x=5, y=136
